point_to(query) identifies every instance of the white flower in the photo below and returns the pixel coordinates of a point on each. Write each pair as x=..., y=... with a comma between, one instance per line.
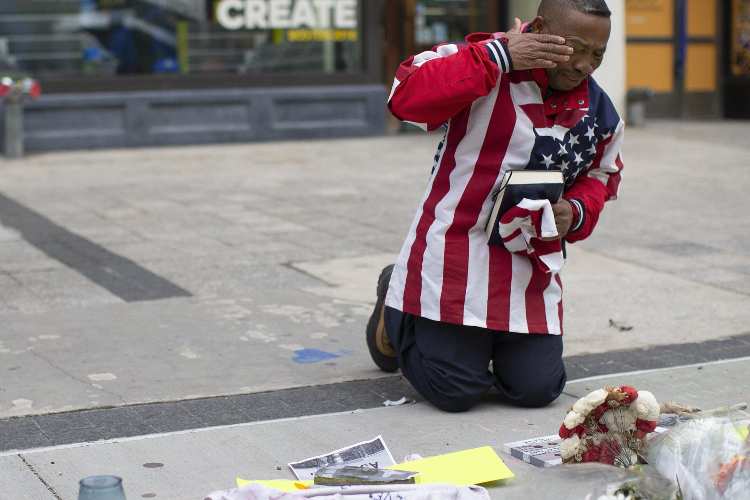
x=569, y=447
x=620, y=419
x=573, y=419
x=646, y=406
x=585, y=405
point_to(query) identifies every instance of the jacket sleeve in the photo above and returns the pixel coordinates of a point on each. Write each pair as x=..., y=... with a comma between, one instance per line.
x=599, y=184
x=432, y=87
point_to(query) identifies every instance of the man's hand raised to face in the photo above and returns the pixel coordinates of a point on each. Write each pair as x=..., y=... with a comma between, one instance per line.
x=533, y=50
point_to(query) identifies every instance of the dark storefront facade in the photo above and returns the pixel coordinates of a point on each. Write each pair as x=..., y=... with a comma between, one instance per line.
x=736, y=60
x=118, y=73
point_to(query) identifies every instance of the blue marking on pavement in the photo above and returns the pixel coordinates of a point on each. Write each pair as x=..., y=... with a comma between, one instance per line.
x=307, y=356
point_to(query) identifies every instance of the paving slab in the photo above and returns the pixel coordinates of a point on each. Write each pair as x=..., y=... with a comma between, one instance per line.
x=171, y=350
x=18, y=480
x=598, y=288
x=192, y=463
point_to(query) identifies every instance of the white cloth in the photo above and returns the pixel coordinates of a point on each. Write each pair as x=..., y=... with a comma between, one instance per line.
x=532, y=220
x=377, y=492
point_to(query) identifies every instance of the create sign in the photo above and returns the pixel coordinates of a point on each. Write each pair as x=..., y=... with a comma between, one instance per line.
x=287, y=14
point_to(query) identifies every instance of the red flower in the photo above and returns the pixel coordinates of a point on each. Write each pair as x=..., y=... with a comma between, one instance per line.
x=600, y=410
x=36, y=90
x=609, y=450
x=645, y=425
x=565, y=433
x=630, y=392
x=592, y=454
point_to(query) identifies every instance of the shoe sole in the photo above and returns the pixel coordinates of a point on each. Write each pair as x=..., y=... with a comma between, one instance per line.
x=376, y=327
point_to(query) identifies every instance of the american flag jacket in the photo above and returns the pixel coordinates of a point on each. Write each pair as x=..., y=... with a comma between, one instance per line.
x=495, y=119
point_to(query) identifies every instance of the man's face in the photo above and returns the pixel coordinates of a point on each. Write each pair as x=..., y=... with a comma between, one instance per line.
x=587, y=34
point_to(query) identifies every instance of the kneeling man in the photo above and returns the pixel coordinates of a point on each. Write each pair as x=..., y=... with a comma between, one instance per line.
x=452, y=304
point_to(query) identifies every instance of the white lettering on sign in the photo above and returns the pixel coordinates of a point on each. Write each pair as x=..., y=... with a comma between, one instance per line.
x=324, y=12
x=280, y=12
x=303, y=15
x=346, y=15
x=256, y=13
x=227, y=14
x=287, y=14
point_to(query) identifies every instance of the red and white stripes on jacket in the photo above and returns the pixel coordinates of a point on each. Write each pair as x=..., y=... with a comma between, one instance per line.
x=495, y=121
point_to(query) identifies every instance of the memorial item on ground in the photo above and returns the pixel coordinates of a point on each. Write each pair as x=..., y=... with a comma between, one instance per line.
x=459, y=468
x=349, y=475
x=373, y=453
x=695, y=455
x=540, y=451
x=400, y=491
x=609, y=426
x=707, y=454
x=642, y=482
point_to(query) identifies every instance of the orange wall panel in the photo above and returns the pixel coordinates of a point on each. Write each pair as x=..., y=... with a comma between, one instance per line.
x=701, y=17
x=649, y=18
x=651, y=65
x=700, y=71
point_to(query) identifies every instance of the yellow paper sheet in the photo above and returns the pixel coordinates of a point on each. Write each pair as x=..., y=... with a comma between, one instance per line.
x=744, y=431
x=462, y=468
x=287, y=485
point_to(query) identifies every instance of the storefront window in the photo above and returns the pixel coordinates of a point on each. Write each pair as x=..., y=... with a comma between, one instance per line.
x=93, y=38
x=440, y=21
x=741, y=38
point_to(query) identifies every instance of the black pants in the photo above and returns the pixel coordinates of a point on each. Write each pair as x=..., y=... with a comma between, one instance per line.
x=448, y=364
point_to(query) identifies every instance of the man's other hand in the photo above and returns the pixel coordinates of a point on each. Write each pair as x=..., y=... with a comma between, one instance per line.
x=563, y=219
x=532, y=50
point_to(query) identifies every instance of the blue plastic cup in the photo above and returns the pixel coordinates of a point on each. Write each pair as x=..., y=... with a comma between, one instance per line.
x=101, y=488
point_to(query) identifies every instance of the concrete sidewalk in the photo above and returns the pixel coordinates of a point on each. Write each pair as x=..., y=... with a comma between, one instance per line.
x=190, y=464
x=149, y=275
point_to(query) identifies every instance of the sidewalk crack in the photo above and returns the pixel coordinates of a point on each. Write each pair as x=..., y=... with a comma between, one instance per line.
x=73, y=377
x=39, y=477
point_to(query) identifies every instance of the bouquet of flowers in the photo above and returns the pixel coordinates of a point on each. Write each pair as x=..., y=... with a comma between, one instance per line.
x=609, y=426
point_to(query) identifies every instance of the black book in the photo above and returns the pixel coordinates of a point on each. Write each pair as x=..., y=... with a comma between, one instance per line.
x=517, y=185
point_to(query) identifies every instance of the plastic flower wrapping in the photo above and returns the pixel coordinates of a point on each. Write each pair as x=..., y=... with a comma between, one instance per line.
x=596, y=481
x=707, y=455
x=640, y=483
x=609, y=426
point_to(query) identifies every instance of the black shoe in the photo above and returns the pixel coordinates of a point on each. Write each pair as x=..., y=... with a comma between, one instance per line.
x=380, y=347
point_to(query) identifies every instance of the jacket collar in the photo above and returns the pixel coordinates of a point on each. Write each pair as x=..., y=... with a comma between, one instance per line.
x=556, y=101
